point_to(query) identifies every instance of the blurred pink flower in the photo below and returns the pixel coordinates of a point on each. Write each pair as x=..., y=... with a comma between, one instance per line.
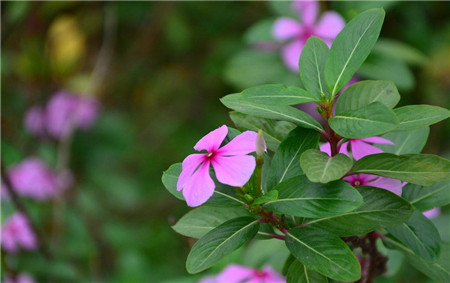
x=33, y=178
x=392, y=185
x=358, y=147
x=240, y=274
x=432, y=213
x=297, y=33
x=63, y=113
x=16, y=233
x=20, y=278
x=231, y=164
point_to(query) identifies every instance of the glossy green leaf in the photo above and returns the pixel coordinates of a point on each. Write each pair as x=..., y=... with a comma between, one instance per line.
x=420, y=169
x=363, y=93
x=399, y=50
x=351, y=47
x=426, y=198
x=406, y=142
x=312, y=67
x=274, y=131
x=269, y=196
x=224, y=196
x=287, y=263
x=438, y=271
x=371, y=120
x=323, y=252
x=283, y=113
x=299, y=197
x=320, y=167
x=199, y=221
x=277, y=94
x=298, y=273
x=170, y=178
x=285, y=163
x=417, y=116
x=219, y=242
x=381, y=209
x=420, y=235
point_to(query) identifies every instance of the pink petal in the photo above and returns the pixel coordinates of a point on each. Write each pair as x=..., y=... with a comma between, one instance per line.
x=234, y=274
x=190, y=163
x=212, y=141
x=377, y=140
x=35, y=120
x=234, y=170
x=361, y=149
x=242, y=144
x=291, y=54
x=326, y=148
x=344, y=149
x=392, y=185
x=200, y=187
x=432, y=213
x=273, y=276
x=285, y=28
x=308, y=11
x=330, y=25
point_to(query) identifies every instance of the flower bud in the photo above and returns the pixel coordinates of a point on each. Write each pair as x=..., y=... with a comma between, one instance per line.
x=260, y=144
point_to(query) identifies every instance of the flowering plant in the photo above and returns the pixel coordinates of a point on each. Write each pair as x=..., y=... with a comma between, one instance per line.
x=331, y=215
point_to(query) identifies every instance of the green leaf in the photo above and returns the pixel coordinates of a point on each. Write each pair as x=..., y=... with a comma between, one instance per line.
x=277, y=94
x=323, y=252
x=199, y=221
x=299, y=197
x=381, y=209
x=170, y=178
x=269, y=196
x=312, y=66
x=417, y=116
x=371, y=120
x=426, y=198
x=319, y=167
x=220, y=242
x=406, y=142
x=224, y=196
x=363, y=93
x=420, y=169
x=285, y=163
x=287, y=263
x=260, y=32
x=438, y=271
x=298, y=273
x=351, y=47
x=399, y=50
x=283, y=113
x=420, y=235
x=274, y=131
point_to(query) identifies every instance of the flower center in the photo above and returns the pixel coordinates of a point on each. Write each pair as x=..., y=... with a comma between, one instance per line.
x=260, y=274
x=306, y=33
x=210, y=154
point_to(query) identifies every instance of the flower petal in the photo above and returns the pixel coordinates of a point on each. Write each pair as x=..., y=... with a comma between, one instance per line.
x=329, y=25
x=377, y=140
x=285, y=28
x=307, y=10
x=234, y=170
x=326, y=148
x=291, y=54
x=190, y=163
x=432, y=213
x=273, y=276
x=212, y=141
x=200, y=187
x=242, y=144
x=234, y=274
x=389, y=184
x=361, y=149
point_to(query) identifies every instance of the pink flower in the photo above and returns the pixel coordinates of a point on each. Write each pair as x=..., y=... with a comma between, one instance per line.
x=33, y=178
x=297, y=33
x=17, y=233
x=19, y=278
x=432, y=213
x=35, y=121
x=358, y=147
x=240, y=274
x=231, y=164
x=392, y=185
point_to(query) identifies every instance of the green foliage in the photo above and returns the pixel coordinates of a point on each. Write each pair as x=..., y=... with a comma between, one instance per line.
x=413, y=117
x=298, y=273
x=277, y=94
x=406, y=142
x=170, y=178
x=425, y=198
x=321, y=168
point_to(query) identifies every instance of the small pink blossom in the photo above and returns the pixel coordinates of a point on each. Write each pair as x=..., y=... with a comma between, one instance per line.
x=297, y=33
x=389, y=184
x=16, y=233
x=35, y=121
x=240, y=274
x=432, y=213
x=33, y=178
x=231, y=164
x=19, y=278
x=358, y=147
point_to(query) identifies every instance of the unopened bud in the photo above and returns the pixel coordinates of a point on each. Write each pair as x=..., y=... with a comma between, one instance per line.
x=260, y=144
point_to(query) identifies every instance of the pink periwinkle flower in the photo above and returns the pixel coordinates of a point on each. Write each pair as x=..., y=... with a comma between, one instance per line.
x=35, y=121
x=240, y=274
x=17, y=233
x=297, y=33
x=231, y=164
x=19, y=278
x=389, y=184
x=359, y=147
x=33, y=178
x=432, y=213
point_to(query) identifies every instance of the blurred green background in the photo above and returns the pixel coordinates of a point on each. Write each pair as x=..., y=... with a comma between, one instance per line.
x=166, y=64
